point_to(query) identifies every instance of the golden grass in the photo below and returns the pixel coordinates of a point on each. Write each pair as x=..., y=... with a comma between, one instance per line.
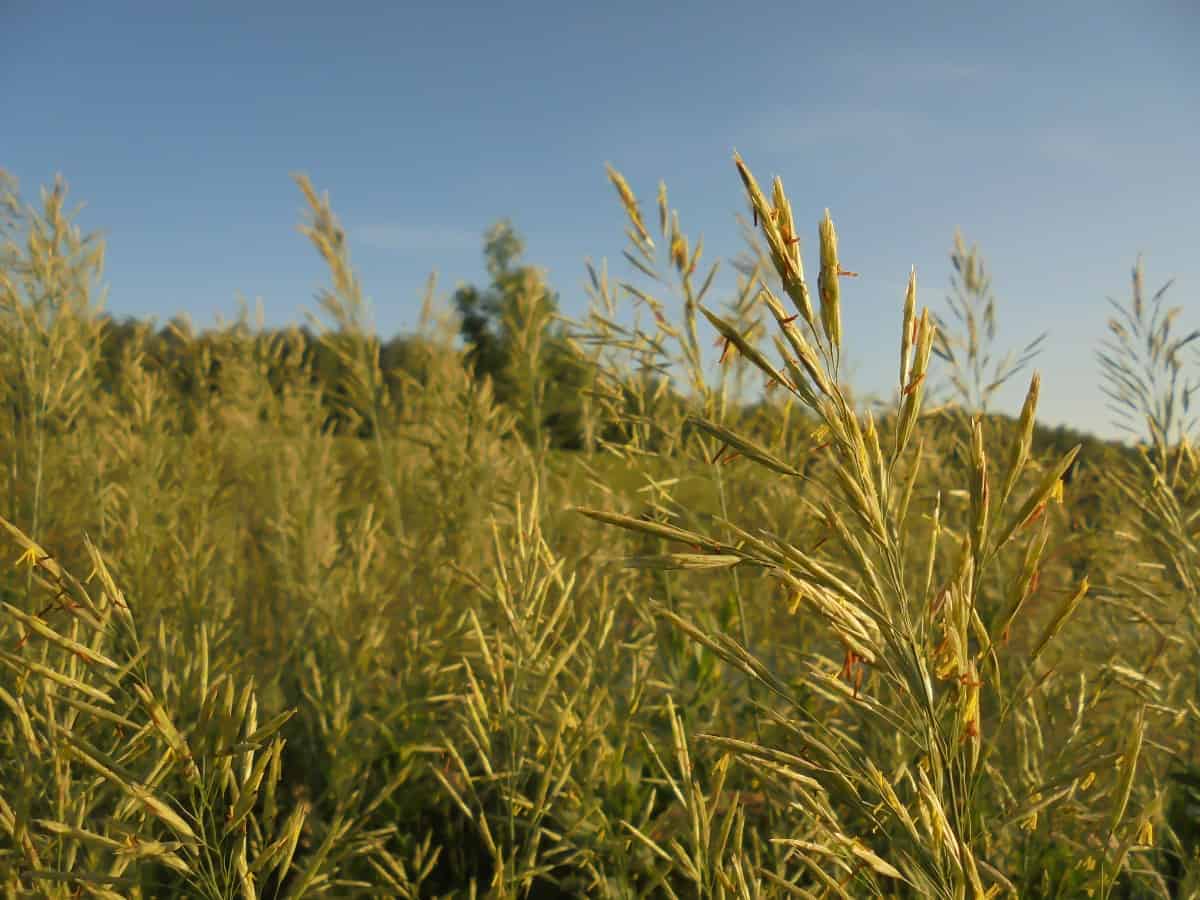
x=807, y=651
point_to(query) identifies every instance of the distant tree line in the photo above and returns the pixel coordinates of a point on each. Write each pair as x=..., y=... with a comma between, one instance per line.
x=509, y=331
x=514, y=315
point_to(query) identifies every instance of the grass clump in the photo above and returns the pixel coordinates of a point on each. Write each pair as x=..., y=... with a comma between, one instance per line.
x=901, y=760
x=344, y=631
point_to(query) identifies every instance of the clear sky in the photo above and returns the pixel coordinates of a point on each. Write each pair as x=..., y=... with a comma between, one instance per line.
x=1064, y=138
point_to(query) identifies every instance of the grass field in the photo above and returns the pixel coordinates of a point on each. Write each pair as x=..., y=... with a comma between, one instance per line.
x=806, y=649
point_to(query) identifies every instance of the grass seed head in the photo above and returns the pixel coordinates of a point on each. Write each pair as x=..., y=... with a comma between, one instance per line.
x=828, y=283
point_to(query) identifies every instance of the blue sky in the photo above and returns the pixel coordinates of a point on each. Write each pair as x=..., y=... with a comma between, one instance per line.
x=1064, y=138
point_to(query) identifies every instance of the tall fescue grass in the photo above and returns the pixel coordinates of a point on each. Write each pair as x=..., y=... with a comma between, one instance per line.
x=795, y=649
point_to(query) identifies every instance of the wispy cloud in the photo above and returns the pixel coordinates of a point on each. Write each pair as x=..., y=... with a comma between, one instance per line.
x=402, y=238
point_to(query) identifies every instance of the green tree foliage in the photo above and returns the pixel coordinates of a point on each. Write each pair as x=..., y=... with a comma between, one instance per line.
x=514, y=340
x=192, y=364
x=511, y=329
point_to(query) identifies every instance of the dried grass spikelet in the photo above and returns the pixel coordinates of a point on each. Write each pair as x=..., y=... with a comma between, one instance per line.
x=794, y=340
x=936, y=821
x=890, y=799
x=980, y=491
x=864, y=504
x=1022, y=588
x=663, y=208
x=799, y=346
x=828, y=285
x=88, y=655
x=166, y=727
x=1019, y=455
x=786, y=223
x=1128, y=767
x=678, y=245
x=787, y=261
x=908, y=327
x=908, y=487
x=913, y=391
x=629, y=201
x=951, y=657
x=875, y=455
x=1048, y=489
x=1064, y=612
x=744, y=446
x=865, y=565
x=734, y=338
x=854, y=627
x=800, y=382
x=970, y=728
x=137, y=793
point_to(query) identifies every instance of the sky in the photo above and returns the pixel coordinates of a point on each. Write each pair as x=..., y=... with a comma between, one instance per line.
x=1062, y=138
